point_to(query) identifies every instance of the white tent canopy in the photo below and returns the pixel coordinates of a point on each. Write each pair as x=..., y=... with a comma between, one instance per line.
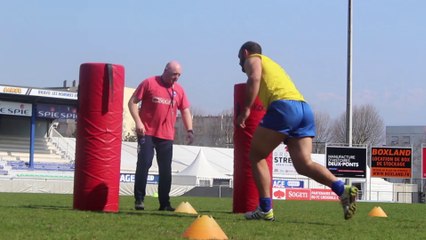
x=220, y=159
x=199, y=173
x=200, y=167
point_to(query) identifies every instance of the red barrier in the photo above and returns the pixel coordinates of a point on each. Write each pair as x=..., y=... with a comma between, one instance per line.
x=245, y=196
x=99, y=133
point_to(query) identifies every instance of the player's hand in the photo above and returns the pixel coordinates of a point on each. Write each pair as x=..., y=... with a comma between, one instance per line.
x=241, y=120
x=140, y=129
x=190, y=137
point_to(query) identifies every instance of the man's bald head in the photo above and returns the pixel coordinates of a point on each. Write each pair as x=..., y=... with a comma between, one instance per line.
x=172, y=66
x=172, y=72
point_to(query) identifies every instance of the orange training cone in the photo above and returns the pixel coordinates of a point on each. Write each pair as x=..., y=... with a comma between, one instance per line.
x=377, y=212
x=185, y=207
x=204, y=227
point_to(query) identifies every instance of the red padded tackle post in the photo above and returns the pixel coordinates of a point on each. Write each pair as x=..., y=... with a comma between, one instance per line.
x=99, y=136
x=245, y=196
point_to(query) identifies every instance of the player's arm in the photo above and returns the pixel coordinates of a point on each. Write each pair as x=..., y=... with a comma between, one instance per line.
x=253, y=69
x=187, y=118
x=134, y=112
x=187, y=122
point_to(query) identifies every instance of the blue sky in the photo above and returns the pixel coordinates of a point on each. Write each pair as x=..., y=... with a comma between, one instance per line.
x=43, y=43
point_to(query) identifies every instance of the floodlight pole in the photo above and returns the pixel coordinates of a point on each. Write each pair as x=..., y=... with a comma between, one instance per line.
x=349, y=79
x=349, y=82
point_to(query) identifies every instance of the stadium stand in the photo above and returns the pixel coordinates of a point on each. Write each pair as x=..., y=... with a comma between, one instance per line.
x=3, y=171
x=47, y=156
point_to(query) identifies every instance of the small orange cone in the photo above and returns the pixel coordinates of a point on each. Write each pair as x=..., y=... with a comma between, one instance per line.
x=377, y=212
x=185, y=207
x=204, y=227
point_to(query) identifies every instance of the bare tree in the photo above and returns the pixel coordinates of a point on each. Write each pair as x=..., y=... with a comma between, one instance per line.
x=323, y=132
x=368, y=126
x=227, y=128
x=210, y=130
x=197, y=111
x=215, y=131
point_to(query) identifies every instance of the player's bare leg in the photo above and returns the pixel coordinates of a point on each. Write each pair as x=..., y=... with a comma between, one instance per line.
x=263, y=143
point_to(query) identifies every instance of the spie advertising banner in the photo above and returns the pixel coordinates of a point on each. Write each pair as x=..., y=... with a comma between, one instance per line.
x=56, y=111
x=347, y=162
x=391, y=162
x=16, y=109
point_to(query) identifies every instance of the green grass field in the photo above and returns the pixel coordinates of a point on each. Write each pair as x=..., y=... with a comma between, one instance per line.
x=50, y=216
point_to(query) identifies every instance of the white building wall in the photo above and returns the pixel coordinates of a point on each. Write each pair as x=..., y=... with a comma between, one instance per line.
x=412, y=136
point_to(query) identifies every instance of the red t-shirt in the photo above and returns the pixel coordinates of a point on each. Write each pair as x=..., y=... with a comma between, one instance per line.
x=159, y=106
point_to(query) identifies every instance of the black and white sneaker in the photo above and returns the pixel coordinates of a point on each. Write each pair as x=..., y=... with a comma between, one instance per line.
x=139, y=206
x=167, y=208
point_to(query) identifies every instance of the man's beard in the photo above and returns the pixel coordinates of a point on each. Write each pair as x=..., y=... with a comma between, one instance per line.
x=242, y=60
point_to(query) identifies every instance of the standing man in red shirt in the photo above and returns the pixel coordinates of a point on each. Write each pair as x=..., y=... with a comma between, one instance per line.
x=155, y=119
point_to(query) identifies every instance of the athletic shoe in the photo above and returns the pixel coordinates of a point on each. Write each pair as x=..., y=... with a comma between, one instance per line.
x=139, y=205
x=167, y=208
x=258, y=214
x=348, y=200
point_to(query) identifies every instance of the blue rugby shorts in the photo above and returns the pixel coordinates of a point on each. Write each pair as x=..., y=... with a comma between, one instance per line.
x=292, y=118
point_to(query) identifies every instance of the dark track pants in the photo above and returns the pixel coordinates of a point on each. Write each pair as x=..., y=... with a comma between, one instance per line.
x=164, y=150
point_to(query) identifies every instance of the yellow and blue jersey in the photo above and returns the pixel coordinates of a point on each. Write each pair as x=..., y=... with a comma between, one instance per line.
x=275, y=83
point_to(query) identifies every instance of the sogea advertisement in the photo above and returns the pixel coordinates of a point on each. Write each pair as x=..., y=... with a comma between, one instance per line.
x=304, y=194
